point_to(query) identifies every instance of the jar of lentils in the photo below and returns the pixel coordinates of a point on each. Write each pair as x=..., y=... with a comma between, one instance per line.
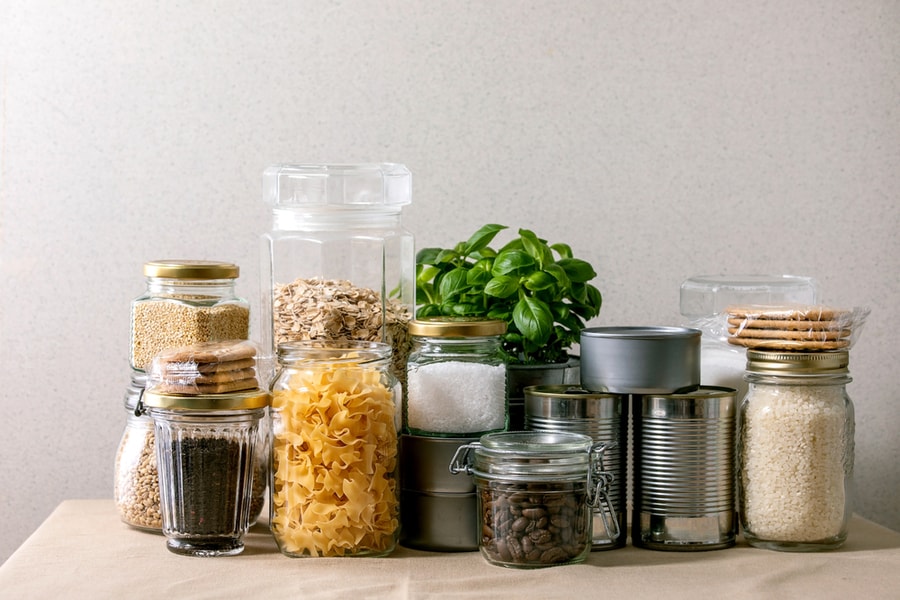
x=136, y=488
x=796, y=447
x=186, y=302
x=535, y=495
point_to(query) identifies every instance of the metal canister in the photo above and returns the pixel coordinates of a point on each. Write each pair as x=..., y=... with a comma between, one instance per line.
x=604, y=418
x=684, y=470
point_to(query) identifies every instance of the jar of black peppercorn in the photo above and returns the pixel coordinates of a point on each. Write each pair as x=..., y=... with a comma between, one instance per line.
x=206, y=448
x=535, y=495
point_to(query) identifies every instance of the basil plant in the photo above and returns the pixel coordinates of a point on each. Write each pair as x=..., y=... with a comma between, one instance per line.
x=540, y=290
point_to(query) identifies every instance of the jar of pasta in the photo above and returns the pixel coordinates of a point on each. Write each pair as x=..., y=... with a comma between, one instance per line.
x=186, y=302
x=335, y=424
x=338, y=263
x=796, y=450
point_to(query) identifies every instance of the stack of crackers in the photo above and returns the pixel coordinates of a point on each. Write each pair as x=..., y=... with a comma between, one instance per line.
x=797, y=328
x=205, y=368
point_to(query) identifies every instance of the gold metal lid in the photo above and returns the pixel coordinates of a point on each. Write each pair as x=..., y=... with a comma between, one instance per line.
x=191, y=269
x=229, y=401
x=797, y=363
x=457, y=327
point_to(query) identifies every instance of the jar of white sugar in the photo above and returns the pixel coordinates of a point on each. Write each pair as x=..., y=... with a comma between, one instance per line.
x=456, y=377
x=795, y=443
x=186, y=302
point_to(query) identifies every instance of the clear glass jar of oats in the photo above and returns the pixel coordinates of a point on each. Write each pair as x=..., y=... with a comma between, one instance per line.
x=185, y=302
x=337, y=263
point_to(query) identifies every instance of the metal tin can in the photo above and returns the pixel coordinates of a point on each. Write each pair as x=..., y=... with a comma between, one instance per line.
x=684, y=470
x=603, y=417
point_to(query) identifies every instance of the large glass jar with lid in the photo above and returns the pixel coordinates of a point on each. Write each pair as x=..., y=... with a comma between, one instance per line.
x=796, y=446
x=186, y=302
x=335, y=424
x=456, y=377
x=338, y=263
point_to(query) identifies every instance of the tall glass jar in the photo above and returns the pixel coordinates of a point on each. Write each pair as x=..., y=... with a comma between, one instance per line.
x=337, y=263
x=456, y=378
x=136, y=487
x=206, y=447
x=796, y=446
x=335, y=423
x=185, y=302
x=535, y=494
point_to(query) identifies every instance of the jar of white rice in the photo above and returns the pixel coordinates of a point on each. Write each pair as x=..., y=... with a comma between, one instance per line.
x=795, y=444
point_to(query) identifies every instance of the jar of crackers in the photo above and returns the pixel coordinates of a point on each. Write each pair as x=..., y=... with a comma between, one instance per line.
x=338, y=263
x=335, y=423
x=795, y=445
x=186, y=302
x=208, y=412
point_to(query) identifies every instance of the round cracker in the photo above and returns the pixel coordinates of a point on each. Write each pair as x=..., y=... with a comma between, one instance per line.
x=787, y=312
x=769, y=344
x=790, y=334
x=751, y=323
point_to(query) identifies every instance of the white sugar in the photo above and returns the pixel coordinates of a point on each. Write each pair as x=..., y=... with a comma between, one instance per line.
x=456, y=397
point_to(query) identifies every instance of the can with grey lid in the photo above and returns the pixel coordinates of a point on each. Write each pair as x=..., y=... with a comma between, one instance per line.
x=603, y=417
x=684, y=470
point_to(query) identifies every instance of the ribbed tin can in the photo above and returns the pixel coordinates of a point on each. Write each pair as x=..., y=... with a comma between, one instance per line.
x=603, y=417
x=684, y=470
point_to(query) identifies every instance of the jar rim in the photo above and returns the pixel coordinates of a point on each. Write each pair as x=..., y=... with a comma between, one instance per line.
x=333, y=351
x=459, y=327
x=248, y=400
x=533, y=456
x=762, y=362
x=191, y=269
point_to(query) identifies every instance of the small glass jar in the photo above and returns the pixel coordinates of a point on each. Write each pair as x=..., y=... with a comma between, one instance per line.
x=337, y=263
x=796, y=447
x=455, y=378
x=335, y=423
x=535, y=495
x=136, y=488
x=185, y=302
x=206, y=447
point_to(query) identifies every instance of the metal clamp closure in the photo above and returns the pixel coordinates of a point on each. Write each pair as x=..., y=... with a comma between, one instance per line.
x=598, y=485
x=460, y=463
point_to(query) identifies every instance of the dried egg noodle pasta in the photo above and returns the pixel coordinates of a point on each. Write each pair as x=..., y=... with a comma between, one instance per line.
x=334, y=454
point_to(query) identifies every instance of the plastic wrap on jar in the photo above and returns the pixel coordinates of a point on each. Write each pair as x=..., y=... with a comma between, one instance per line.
x=205, y=368
x=806, y=328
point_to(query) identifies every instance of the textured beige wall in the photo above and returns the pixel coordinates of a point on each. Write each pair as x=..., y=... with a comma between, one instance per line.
x=661, y=140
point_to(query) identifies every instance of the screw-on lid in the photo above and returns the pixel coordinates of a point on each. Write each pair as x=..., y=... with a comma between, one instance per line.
x=797, y=363
x=459, y=327
x=533, y=455
x=230, y=401
x=191, y=269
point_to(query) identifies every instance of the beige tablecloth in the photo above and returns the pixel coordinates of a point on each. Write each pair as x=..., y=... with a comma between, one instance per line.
x=83, y=551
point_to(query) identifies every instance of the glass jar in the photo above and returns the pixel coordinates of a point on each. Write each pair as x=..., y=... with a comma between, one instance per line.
x=335, y=423
x=185, y=302
x=337, y=263
x=455, y=378
x=206, y=447
x=796, y=448
x=535, y=495
x=136, y=488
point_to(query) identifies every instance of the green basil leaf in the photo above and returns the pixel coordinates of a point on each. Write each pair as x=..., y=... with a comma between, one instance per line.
x=428, y=256
x=463, y=309
x=533, y=319
x=453, y=283
x=481, y=238
x=558, y=273
x=579, y=271
x=512, y=262
x=540, y=280
x=478, y=278
x=563, y=250
x=536, y=247
x=428, y=310
x=502, y=286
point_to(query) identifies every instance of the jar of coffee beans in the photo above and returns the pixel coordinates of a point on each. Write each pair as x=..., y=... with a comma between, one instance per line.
x=136, y=489
x=535, y=495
